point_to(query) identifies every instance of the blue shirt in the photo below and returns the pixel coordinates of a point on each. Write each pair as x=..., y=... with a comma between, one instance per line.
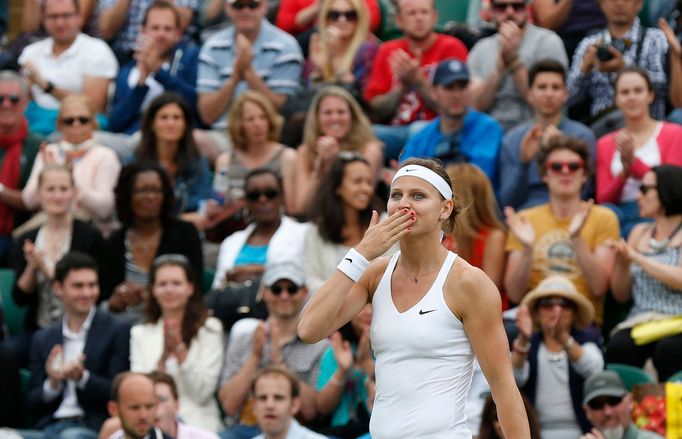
x=252, y=254
x=479, y=142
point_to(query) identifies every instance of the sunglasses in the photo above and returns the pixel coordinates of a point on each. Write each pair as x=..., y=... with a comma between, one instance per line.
x=270, y=194
x=241, y=5
x=643, y=188
x=501, y=7
x=569, y=167
x=291, y=289
x=13, y=99
x=148, y=191
x=551, y=302
x=72, y=120
x=600, y=402
x=334, y=15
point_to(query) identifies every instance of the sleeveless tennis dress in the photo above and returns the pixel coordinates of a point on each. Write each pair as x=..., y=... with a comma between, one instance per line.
x=424, y=364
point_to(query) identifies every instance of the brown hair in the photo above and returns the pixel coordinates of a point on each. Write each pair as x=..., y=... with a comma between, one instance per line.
x=160, y=377
x=573, y=144
x=118, y=381
x=163, y=4
x=281, y=371
x=479, y=210
x=235, y=118
x=489, y=416
x=632, y=69
x=451, y=223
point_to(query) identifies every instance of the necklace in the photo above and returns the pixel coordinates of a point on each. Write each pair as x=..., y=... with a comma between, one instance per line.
x=658, y=245
x=415, y=279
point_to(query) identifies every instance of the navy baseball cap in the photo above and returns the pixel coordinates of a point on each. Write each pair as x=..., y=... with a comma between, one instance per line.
x=449, y=71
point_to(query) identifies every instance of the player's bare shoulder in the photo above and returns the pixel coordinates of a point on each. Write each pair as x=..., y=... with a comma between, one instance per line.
x=468, y=287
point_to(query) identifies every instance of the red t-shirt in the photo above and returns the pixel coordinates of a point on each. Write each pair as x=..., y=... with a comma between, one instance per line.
x=382, y=79
x=288, y=9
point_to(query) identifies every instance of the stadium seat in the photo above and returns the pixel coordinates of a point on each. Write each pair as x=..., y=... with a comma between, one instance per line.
x=14, y=314
x=631, y=375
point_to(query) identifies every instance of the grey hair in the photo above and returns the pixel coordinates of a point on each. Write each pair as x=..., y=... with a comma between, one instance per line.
x=12, y=76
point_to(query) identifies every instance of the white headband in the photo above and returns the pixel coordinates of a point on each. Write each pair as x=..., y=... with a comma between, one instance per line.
x=427, y=175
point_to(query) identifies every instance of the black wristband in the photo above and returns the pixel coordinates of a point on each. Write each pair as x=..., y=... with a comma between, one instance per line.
x=49, y=87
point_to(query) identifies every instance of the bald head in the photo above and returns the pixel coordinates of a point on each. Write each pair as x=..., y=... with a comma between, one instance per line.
x=134, y=402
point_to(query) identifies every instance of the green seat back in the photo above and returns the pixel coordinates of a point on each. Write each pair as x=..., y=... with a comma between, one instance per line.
x=14, y=315
x=451, y=10
x=631, y=375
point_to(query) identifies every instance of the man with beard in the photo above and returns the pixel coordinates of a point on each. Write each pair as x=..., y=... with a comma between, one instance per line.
x=398, y=90
x=459, y=133
x=521, y=186
x=162, y=63
x=499, y=64
x=608, y=406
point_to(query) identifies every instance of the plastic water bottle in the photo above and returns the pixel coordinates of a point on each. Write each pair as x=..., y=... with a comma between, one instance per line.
x=221, y=184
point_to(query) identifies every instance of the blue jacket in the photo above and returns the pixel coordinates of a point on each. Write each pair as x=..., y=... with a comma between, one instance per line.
x=180, y=77
x=481, y=137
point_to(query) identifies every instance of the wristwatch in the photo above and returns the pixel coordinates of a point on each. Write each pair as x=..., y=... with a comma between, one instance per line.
x=49, y=87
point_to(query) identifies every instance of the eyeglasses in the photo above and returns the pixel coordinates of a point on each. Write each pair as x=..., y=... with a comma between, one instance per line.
x=270, y=194
x=569, y=167
x=291, y=289
x=643, y=188
x=599, y=402
x=147, y=191
x=501, y=7
x=83, y=120
x=13, y=99
x=241, y=5
x=551, y=302
x=55, y=17
x=334, y=15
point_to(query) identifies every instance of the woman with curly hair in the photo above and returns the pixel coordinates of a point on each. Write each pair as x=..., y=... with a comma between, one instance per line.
x=145, y=206
x=179, y=338
x=335, y=123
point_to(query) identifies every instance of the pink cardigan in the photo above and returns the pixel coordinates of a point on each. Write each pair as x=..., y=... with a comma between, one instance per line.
x=609, y=188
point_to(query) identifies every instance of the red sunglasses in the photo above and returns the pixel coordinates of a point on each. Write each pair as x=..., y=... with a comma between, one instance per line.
x=570, y=167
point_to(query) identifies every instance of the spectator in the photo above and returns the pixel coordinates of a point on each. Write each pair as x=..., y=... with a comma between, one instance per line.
x=570, y=19
x=675, y=62
x=625, y=155
x=36, y=252
x=551, y=365
x=648, y=272
x=167, y=410
x=31, y=21
x=490, y=425
x=499, y=63
x=121, y=21
x=298, y=17
x=277, y=399
x=480, y=236
x=624, y=42
x=521, y=185
x=19, y=148
x=335, y=122
x=254, y=128
x=564, y=236
x=250, y=54
x=133, y=401
x=10, y=411
x=459, y=133
x=180, y=338
x=163, y=63
x=399, y=92
x=608, y=406
x=73, y=361
x=95, y=167
x=344, y=367
x=144, y=203
x=270, y=237
x=67, y=62
x=340, y=212
x=167, y=139
x=273, y=342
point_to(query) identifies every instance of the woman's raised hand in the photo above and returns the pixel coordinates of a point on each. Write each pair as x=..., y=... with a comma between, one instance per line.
x=524, y=323
x=343, y=354
x=380, y=236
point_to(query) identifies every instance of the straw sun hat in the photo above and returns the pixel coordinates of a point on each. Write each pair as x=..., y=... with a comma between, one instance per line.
x=560, y=286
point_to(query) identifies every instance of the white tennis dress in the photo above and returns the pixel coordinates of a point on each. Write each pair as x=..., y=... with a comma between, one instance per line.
x=424, y=364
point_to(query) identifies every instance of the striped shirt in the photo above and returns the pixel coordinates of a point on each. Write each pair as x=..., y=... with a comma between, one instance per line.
x=650, y=294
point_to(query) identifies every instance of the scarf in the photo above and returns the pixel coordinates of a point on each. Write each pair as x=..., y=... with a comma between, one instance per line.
x=11, y=147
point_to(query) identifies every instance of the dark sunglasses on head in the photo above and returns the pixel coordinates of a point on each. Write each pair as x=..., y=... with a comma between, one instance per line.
x=334, y=15
x=644, y=188
x=291, y=289
x=72, y=120
x=599, y=402
x=501, y=7
x=571, y=167
x=241, y=5
x=13, y=99
x=551, y=302
x=270, y=194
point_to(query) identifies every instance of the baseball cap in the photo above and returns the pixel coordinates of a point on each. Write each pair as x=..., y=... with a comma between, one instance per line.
x=283, y=270
x=604, y=383
x=449, y=71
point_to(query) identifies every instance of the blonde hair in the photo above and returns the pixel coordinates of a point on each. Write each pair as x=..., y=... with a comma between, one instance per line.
x=235, y=118
x=476, y=195
x=359, y=36
x=78, y=99
x=360, y=132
